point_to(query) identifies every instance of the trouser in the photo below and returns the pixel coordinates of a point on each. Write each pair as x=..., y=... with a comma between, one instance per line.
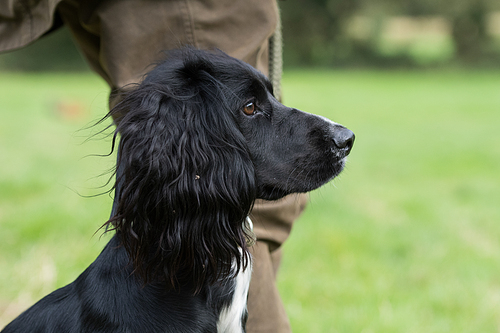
x=121, y=39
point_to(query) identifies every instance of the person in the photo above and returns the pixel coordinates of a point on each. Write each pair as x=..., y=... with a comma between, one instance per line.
x=120, y=39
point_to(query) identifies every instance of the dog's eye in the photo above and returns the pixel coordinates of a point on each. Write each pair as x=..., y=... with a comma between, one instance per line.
x=249, y=108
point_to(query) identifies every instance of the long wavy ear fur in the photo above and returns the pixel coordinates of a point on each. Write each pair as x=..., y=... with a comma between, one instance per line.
x=186, y=182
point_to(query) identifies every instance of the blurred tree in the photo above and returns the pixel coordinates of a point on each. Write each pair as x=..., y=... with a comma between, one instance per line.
x=469, y=31
x=468, y=19
x=313, y=31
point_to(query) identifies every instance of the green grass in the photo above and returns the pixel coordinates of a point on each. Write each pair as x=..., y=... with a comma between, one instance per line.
x=47, y=225
x=407, y=239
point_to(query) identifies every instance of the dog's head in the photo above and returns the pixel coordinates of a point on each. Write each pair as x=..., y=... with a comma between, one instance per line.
x=201, y=138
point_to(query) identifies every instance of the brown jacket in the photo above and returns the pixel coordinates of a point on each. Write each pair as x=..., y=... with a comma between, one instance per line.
x=121, y=38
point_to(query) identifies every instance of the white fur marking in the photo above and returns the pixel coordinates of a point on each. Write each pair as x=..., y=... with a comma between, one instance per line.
x=230, y=318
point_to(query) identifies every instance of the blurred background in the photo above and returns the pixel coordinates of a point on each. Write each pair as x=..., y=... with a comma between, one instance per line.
x=407, y=239
x=345, y=34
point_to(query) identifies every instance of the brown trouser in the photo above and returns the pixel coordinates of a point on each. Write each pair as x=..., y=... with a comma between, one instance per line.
x=122, y=38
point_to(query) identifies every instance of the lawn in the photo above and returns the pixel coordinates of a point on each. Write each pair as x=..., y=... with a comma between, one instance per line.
x=407, y=239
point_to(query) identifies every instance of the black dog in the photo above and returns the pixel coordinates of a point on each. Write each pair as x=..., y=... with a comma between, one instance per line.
x=201, y=138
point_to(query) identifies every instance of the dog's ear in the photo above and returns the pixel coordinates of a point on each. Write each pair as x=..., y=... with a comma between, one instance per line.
x=185, y=182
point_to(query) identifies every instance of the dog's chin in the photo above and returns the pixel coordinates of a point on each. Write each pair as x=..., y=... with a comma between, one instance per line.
x=276, y=192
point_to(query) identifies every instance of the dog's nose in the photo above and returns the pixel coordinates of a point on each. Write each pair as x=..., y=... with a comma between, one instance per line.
x=343, y=138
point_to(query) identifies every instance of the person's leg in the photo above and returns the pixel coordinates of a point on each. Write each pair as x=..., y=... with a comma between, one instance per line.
x=121, y=39
x=272, y=225
x=124, y=38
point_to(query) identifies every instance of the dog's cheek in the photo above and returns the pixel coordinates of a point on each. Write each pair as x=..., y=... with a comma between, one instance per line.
x=258, y=135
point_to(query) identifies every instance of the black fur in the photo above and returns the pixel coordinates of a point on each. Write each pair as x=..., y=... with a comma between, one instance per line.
x=191, y=164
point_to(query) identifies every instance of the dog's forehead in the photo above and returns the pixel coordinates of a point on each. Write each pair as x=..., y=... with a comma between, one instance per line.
x=251, y=77
x=238, y=74
x=238, y=69
x=194, y=64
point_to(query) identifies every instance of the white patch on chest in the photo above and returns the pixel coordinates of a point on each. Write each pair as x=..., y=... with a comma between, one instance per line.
x=230, y=319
